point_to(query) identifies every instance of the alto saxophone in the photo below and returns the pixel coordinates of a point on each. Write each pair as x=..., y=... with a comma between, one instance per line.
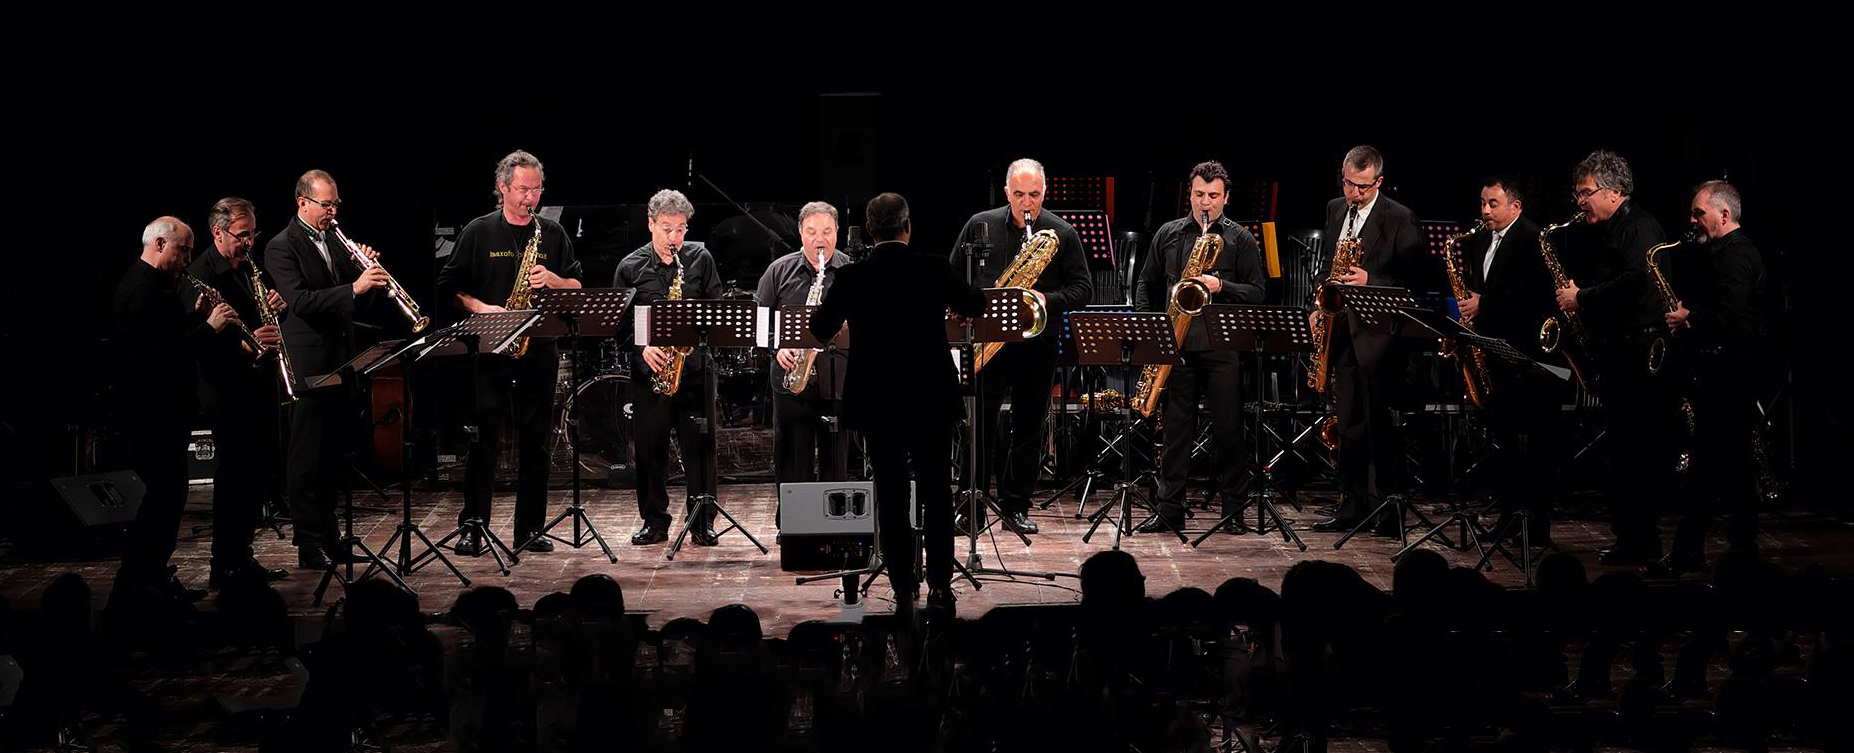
x=521, y=297
x=1657, y=350
x=213, y=298
x=669, y=379
x=394, y=290
x=269, y=318
x=1577, y=350
x=1035, y=255
x=1346, y=254
x=800, y=375
x=1187, y=300
x=1474, y=366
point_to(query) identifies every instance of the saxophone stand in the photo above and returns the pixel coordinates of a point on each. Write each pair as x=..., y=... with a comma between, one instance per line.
x=1133, y=340
x=564, y=312
x=1377, y=308
x=472, y=337
x=406, y=354
x=343, y=378
x=702, y=323
x=1261, y=330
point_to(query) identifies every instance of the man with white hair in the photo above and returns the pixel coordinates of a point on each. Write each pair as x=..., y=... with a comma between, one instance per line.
x=1024, y=369
x=650, y=272
x=806, y=447
x=159, y=338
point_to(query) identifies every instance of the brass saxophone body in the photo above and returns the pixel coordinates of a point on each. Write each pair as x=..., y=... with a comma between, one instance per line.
x=1032, y=258
x=669, y=379
x=213, y=298
x=521, y=297
x=268, y=318
x=1474, y=363
x=799, y=376
x=1657, y=350
x=1187, y=299
x=1346, y=254
x=1576, y=349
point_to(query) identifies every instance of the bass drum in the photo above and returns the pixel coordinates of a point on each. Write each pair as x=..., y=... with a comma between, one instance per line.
x=605, y=428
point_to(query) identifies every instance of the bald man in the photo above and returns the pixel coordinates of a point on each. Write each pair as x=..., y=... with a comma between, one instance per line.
x=158, y=338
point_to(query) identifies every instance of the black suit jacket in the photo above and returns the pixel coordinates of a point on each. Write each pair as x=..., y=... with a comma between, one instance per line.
x=1517, y=295
x=318, y=317
x=901, y=374
x=228, y=372
x=1393, y=255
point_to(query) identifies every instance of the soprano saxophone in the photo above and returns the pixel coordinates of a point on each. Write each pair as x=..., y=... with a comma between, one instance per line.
x=268, y=317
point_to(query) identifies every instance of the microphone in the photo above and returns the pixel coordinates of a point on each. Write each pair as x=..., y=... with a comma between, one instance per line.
x=853, y=245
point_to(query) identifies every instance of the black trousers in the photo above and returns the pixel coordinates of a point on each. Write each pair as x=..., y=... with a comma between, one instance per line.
x=919, y=451
x=322, y=429
x=1023, y=371
x=1367, y=374
x=1643, y=421
x=158, y=454
x=804, y=446
x=656, y=415
x=1216, y=376
x=1526, y=420
x=1724, y=473
x=526, y=384
x=243, y=416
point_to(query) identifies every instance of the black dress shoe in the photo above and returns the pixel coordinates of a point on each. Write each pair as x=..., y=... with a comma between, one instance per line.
x=942, y=599
x=312, y=558
x=649, y=535
x=1020, y=522
x=1335, y=525
x=534, y=543
x=704, y=536
x=1157, y=524
x=469, y=544
x=249, y=569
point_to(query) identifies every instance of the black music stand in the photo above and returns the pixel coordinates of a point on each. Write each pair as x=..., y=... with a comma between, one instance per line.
x=1261, y=330
x=573, y=313
x=480, y=333
x=350, y=543
x=1132, y=340
x=701, y=324
x=1096, y=471
x=1004, y=319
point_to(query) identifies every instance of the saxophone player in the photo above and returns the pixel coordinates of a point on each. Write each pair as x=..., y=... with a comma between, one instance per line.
x=1215, y=375
x=1511, y=294
x=1367, y=366
x=481, y=273
x=805, y=447
x=652, y=272
x=323, y=288
x=1624, y=315
x=1721, y=314
x=1023, y=369
x=238, y=395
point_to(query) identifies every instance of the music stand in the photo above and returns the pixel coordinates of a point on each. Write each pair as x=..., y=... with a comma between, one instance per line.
x=701, y=324
x=1377, y=308
x=480, y=333
x=1003, y=319
x=1261, y=330
x=1131, y=339
x=349, y=542
x=1095, y=473
x=573, y=313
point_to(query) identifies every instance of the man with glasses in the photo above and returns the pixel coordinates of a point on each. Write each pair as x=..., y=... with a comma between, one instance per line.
x=1367, y=366
x=323, y=288
x=239, y=395
x=478, y=277
x=1623, y=315
x=649, y=272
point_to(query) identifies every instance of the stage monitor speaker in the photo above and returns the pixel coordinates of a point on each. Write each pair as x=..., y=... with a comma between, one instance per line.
x=828, y=525
x=102, y=499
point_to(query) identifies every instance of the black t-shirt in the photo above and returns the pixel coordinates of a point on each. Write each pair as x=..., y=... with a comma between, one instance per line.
x=482, y=265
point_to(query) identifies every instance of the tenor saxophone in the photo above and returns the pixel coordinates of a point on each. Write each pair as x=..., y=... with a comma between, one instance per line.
x=1474, y=365
x=521, y=297
x=1576, y=350
x=1038, y=250
x=796, y=379
x=1187, y=300
x=669, y=379
x=268, y=317
x=1657, y=350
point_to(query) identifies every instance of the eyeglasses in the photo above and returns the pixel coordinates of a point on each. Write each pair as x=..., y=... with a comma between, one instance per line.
x=1360, y=186
x=1584, y=193
x=673, y=229
x=329, y=205
x=525, y=190
x=244, y=236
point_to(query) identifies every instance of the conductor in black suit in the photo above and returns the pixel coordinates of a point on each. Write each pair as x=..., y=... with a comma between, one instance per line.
x=1512, y=296
x=321, y=288
x=1367, y=366
x=902, y=390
